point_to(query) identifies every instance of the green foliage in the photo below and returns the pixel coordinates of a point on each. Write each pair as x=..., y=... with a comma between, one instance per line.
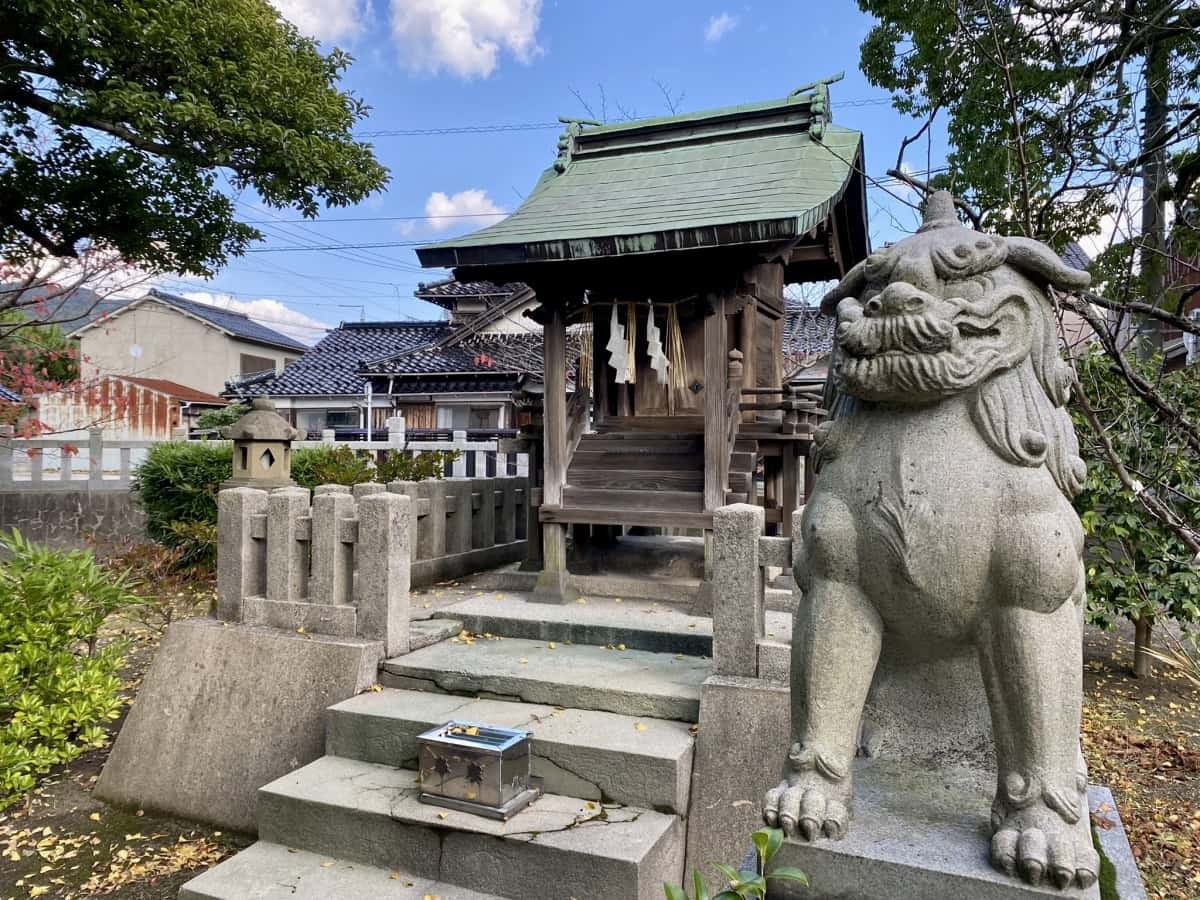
x=744, y=884
x=1136, y=566
x=121, y=120
x=414, y=466
x=178, y=482
x=341, y=465
x=219, y=418
x=56, y=688
x=331, y=465
x=1036, y=99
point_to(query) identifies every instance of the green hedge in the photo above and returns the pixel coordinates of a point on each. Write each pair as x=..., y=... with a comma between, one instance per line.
x=177, y=484
x=57, y=689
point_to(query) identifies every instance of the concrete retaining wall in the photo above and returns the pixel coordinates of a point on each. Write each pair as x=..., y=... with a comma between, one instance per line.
x=66, y=519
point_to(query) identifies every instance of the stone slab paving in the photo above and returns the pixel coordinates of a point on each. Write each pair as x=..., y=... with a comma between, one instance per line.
x=639, y=624
x=580, y=753
x=557, y=847
x=266, y=871
x=629, y=682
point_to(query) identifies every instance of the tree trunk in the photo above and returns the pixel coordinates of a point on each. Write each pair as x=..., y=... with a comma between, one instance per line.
x=1153, y=250
x=1143, y=663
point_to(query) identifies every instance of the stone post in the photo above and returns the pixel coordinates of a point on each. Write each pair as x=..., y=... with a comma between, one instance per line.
x=385, y=569
x=95, y=456
x=458, y=523
x=332, y=558
x=738, y=602
x=287, y=556
x=241, y=557
x=483, y=525
x=506, y=523
x=365, y=489
x=431, y=541
x=409, y=489
x=459, y=466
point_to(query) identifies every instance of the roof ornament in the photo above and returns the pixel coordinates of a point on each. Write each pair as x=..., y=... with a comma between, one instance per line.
x=818, y=104
x=566, y=141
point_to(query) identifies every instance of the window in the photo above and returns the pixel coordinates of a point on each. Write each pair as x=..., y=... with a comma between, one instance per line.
x=342, y=418
x=484, y=417
x=251, y=364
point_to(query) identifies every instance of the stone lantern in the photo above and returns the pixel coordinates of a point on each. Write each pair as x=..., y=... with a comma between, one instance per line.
x=262, y=447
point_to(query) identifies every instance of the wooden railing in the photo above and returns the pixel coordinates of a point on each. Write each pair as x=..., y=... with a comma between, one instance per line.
x=577, y=418
x=801, y=410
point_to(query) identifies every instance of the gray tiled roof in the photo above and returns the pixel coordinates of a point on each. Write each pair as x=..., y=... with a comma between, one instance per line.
x=1075, y=256
x=238, y=324
x=806, y=333
x=332, y=366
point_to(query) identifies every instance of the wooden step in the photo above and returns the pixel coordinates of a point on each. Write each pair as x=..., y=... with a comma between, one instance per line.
x=625, y=457
x=639, y=479
x=676, y=501
x=735, y=497
x=742, y=462
x=671, y=424
x=618, y=443
x=741, y=482
x=591, y=515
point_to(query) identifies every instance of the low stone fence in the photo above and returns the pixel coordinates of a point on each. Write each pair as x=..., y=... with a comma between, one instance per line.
x=740, y=554
x=341, y=562
x=65, y=463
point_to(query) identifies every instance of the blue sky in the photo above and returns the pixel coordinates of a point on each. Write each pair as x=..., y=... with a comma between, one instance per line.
x=432, y=64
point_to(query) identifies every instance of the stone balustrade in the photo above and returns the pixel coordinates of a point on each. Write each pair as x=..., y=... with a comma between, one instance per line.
x=740, y=554
x=341, y=561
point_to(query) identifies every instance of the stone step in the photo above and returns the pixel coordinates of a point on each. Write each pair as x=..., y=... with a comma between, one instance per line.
x=266, y=871
x=628, y=682
x=557, y=847
x=656, y=626
x=597, y=756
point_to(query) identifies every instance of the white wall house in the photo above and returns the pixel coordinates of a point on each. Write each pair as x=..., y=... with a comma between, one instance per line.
x=163, y=336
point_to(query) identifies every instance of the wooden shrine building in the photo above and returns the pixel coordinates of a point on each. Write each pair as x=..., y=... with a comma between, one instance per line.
x=689, y=227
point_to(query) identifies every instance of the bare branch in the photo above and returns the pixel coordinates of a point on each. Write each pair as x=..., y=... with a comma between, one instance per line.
x=924, y=187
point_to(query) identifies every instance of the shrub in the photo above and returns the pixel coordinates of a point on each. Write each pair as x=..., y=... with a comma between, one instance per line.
x=178, y=483
x=414, y=467
x=331, y=465
x=744, y=884
x=56, y=688
x=219, y=418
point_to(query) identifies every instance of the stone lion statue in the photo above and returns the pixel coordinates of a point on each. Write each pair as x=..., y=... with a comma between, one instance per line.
x=941, y=517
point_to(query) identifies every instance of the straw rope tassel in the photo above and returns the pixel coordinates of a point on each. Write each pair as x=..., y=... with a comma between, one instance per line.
x=630, y=343
x=586, y=351
x=677, y=374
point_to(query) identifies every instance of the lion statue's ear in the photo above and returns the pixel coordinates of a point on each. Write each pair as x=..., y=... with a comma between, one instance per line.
x=850, y=286
x=1038, y=261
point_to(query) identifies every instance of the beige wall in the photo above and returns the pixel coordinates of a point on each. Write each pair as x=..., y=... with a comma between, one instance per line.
x=154, y=341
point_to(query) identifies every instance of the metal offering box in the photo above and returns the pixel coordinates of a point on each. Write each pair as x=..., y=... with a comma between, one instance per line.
x=481, y=769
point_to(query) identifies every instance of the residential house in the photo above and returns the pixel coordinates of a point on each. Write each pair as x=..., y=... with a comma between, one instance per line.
x=453, y=373
x=162, y=336
x=1183, y=276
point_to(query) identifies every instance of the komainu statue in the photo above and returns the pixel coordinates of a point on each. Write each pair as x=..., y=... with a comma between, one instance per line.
x=941, y=517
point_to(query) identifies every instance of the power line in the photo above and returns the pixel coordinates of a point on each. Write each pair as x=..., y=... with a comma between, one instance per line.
x=335, y=221
x=502, y=128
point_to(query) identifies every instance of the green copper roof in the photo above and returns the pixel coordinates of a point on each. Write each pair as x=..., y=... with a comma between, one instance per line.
x=760, y=172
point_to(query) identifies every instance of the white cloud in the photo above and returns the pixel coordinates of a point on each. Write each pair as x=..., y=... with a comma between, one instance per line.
x=719, y=26
x=465, y=37
x=327, y=20
x=470, y=207
x=271, y=313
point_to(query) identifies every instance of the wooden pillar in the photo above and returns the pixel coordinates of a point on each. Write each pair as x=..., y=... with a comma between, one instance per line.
x=552, y=583
x=747, y=342
x=600, y=370
x=715, y=365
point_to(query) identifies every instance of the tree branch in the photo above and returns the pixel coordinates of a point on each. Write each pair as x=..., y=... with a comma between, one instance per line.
x=925, y=188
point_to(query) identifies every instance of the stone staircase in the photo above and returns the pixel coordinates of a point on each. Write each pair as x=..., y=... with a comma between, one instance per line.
x=609, y=689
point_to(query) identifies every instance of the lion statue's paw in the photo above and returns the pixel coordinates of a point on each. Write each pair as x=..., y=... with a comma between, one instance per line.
x=1038, y=845
x=808, y=806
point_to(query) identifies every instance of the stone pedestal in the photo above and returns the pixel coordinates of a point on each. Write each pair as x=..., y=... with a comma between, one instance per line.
x=918, y=831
